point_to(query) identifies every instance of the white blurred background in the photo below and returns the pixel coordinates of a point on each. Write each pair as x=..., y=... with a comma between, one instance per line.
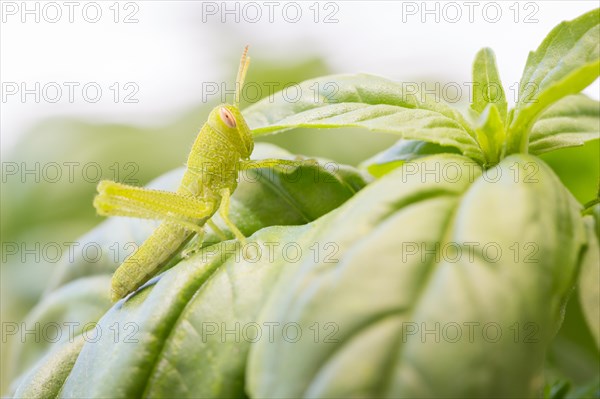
x=166, y=49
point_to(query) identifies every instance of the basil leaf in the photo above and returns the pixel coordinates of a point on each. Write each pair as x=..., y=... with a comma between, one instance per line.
x=190, y=336
x=399, y=276
x=487, y=87
x=46, y=379
x=567, y=61
x=369, y=102
x=589, y=289
x=59, y=319
x=490, y=133
x=401, y=152
x=570, y=122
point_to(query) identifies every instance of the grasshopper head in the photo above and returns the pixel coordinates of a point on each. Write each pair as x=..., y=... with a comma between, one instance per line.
x=228, y=120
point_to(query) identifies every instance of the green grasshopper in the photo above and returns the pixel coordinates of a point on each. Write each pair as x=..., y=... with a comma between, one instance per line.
x=222, y=149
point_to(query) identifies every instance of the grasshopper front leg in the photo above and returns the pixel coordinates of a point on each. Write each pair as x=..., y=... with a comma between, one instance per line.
x=224, y=212
x=275, y=163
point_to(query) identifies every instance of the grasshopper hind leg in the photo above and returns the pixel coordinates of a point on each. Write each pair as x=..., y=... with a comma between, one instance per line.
x=182, y=216
x=117, y=199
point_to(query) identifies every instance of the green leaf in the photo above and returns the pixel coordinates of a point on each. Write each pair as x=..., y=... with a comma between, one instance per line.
x=578, y=169
x=46, y=379
x=567, y=61
x=590, y=390
x=398, y=271
x=589, y=278
x=369, y=102
x=58, y=320
x=569, y=122
x=558, y=390
x=401, y=152
x=487, y=87
x=490, y=133
x=193, y=327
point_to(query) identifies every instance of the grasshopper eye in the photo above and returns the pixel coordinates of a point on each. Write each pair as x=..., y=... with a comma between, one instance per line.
x=227, y=117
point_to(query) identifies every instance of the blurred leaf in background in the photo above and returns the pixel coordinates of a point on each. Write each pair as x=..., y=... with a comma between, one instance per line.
x=576, y=167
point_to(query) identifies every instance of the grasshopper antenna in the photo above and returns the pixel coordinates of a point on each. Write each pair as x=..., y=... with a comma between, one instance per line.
x=241, y=76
